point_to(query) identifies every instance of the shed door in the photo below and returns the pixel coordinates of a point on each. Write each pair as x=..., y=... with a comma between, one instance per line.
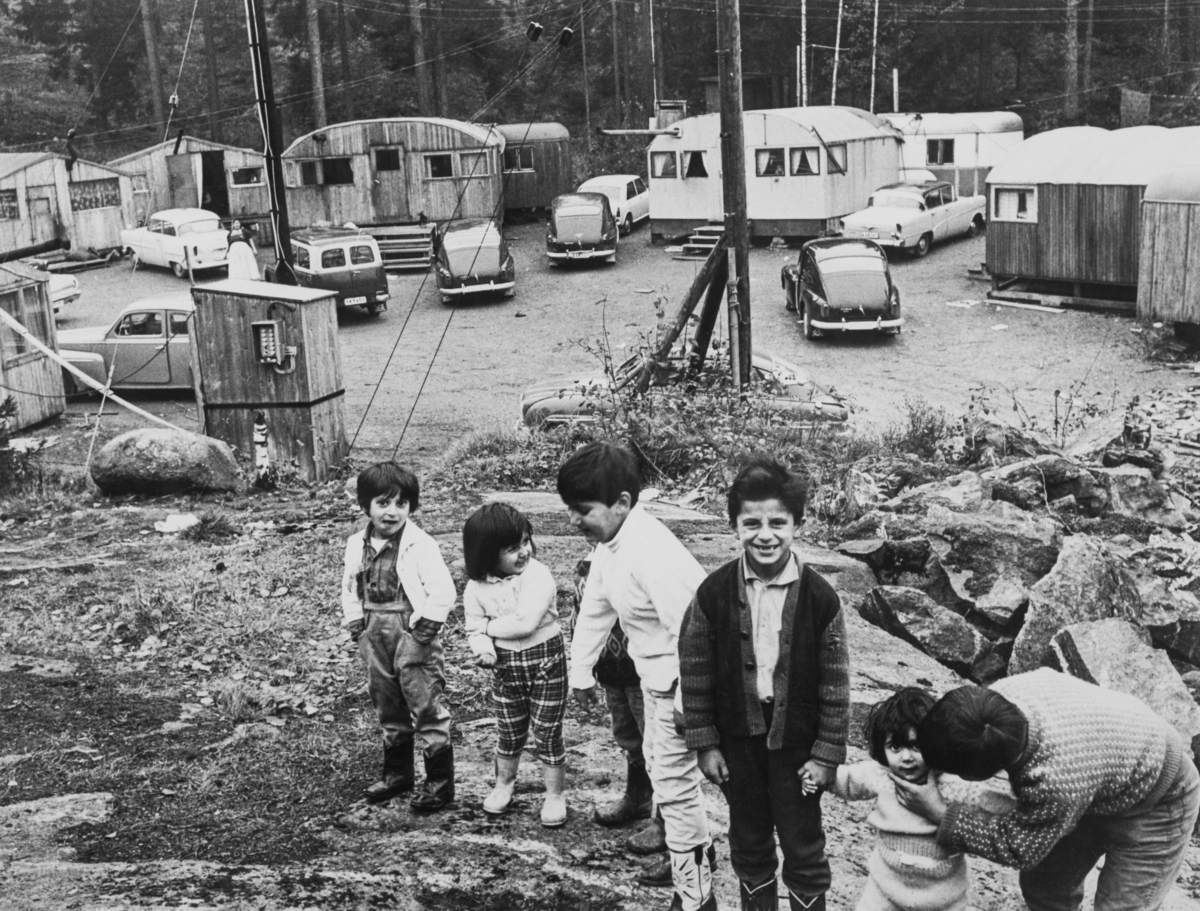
x=389, y=186
x=43, y=213
x=181, y=180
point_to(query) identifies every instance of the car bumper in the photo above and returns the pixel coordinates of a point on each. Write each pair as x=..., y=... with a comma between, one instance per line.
x=489, y=288
x=859, y=325
x=582, y=254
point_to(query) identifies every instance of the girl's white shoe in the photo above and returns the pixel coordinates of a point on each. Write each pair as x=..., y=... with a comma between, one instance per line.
x=554, y=811
x=497, y=803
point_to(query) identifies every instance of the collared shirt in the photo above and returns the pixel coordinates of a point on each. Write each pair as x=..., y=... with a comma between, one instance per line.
x=766, y=598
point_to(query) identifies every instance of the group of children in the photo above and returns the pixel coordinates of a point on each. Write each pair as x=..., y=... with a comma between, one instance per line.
x=744, y=681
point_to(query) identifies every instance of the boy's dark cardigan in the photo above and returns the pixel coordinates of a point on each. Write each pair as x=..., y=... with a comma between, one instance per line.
x=718, y=669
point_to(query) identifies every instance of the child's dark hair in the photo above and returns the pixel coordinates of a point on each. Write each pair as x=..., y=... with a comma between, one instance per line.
x=601, y=472
x=973, y=732
x=765, y=478
x=489, y=530
x=387, y=479
x=897, y=719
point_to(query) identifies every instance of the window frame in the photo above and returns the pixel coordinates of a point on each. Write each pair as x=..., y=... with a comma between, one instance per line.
x=330, y=253
x=770, y=152
x=518, y=152
x=690, y=156
x=349, y=164
x=670, y=163
x=816, y=158
x=429, y=157
x=835, y=159
x=370, y=261
x=389, y=151
x=1030, y=194
x=941, y=146
x=8, y=197
x=469, y=171
x=258, y=182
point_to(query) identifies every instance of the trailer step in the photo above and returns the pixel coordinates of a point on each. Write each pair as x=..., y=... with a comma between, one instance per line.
x=404, y=247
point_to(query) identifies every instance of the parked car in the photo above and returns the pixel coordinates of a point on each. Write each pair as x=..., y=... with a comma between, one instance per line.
x=175, y=238
x=64, y=289
x=911, y=217
x=842, y=285
x=627, y=194
x=579, y=398
x=474, y=259
x=148, y=346
x=344, y=260
x=581, y=227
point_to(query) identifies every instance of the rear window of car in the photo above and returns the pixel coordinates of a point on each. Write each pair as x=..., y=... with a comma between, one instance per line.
x=569, y=211
x=895, y=201
x=852, y=264
x=201, y=226
x=362, y=254
x=333, y=258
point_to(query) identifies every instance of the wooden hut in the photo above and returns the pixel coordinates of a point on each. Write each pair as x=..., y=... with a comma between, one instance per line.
x=1065, y=206
x=1169, y=265
x=44, y=197
x=189, y=172
x=537, y=164
x=805, y=168
x=960, y=148
x=32, y=379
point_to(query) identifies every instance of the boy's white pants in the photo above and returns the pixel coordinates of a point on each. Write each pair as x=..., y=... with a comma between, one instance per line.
x=674, y=774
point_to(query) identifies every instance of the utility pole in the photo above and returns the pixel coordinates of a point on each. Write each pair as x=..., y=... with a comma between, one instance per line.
x=733, y=184
x=587, y=98
x=214, y=88
x=316, y=63
x=150, y=31
x=874, y=51
x=802, y=102
x=616, y=67
x=837, y=52
x=346, y=95
x=272, y=131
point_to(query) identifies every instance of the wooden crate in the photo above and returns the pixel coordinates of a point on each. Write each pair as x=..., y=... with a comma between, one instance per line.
x=304, y=409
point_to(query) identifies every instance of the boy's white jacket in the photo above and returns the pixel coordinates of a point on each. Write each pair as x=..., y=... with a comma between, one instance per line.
x=422, y=571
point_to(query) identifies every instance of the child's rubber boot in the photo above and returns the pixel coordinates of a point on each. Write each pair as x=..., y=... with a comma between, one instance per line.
x=498, y=802
x=636, y=803
x=805, y=902
x=438, y=789
x=763, y=897
x=398, y=775
x=652, y=839
x=691, y=875
x=659, y=876
x=554, y=807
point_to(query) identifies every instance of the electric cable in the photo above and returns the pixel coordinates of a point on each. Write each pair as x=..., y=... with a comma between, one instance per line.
x=179, y=78
x=104, y=72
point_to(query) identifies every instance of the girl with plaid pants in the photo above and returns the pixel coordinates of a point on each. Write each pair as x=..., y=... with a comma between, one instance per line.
x=510, y=604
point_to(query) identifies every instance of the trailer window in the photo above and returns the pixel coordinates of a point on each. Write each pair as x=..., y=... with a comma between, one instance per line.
x=663, y=164
x=1015, y=204
x=336, y=171
x=438, y=166
x=8, y=204
x=695, y=165
x=805, y=162
x=837, y=158
x=308, y=174
x=473, y=164
x=246, y=177
x=387, y=159
x=939, y=151
x=768, y=162
x=518, y=158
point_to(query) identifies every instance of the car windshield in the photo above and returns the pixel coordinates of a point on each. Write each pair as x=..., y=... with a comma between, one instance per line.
x=472, y=259
x=895, y=201
x=575, y=211
x=200, y=226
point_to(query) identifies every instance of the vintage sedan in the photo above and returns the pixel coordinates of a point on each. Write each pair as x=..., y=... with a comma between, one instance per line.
x=580, y=398
x=148, y=346
x=178, y=238
x=581, y=228
x=628, y=196
x=842, y=285
x=473, y=259
x=912, y=217
x=64, y=289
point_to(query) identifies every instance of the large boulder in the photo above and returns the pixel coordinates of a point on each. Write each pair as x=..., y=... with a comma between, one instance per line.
x=1134, y=491
x=1043, y=480
x=1117, y=655
x=160, y=461
x=963, y=492
x=913, y=616
x=1086, y=583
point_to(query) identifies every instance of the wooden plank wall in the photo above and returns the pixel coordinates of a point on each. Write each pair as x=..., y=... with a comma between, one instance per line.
x=32, y=379
x=1168, y=284
x=552, y=176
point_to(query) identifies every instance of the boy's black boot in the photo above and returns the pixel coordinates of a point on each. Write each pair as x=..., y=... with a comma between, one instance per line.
x=438, y=789
x=805, y=902
x=763, y=897
x=398, y=775
x=651, y=839
x=636, y=803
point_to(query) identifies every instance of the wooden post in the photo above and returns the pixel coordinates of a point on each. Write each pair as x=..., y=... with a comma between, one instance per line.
x=214, y=87
x=587, y=98
x=837, y=52
x=740, y=377
x=803, y=59
x=733, y=179
x=708, y=316
x=150, y=33
x=874, y=53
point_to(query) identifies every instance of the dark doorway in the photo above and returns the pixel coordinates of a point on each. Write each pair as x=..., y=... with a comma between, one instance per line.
x=215, y=194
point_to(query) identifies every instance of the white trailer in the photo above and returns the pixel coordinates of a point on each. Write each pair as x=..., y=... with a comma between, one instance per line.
x=960, y=148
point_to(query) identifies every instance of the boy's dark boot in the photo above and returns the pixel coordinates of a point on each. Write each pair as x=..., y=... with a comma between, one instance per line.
x=763, y=897
x=636, y=803
x=397, y=776
x=691, y=876
x=438, y=789
x=805, y=902
x=659, y=876
x=650, y=840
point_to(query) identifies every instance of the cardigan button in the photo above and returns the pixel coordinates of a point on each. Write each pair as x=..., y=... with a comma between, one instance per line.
x=749, y=665
x=745, y=635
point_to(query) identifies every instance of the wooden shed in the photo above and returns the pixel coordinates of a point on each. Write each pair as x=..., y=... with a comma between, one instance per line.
x=43, y=198
x=394, y=171
x=32, y=379
x=805, y=167
x=1066, y=205
x=189, y=172
x=537, y=164
x=1169, y=265
x=960, y=148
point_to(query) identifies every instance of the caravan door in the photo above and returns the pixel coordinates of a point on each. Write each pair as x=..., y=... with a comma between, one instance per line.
x=389, y=186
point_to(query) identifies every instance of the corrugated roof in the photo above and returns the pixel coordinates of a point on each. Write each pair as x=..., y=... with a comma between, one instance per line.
x=916, y=124
x=1089, y=155
x=1178, y=185
x=11, y=162
x=485, y=134
x=532, y=132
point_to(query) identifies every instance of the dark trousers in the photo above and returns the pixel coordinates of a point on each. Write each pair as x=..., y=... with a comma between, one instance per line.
x=765, y=801
x=628, y=712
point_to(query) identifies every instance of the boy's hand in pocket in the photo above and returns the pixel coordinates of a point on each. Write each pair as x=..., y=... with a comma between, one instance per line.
x=424, y=630
x=355, y=628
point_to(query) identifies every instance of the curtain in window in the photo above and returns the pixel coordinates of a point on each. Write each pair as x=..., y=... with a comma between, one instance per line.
x=805, y=161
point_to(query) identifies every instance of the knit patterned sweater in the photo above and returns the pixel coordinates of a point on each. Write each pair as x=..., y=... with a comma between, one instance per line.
x=1090, y=751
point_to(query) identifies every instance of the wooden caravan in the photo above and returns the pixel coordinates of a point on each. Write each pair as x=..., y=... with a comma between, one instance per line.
x=42, y=199
x=960, y=148
x=805, y=168
x=193, y=173
x=537, y=164
x=1066, y=205
x=32, y=379
x=1169, y=264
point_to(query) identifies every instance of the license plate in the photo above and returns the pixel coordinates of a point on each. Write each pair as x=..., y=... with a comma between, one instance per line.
x=870, y=234
x=351, y=301
x=576, y=254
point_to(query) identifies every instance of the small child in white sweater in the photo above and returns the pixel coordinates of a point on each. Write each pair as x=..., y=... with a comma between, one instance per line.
x=511, y=610
x=909, y=870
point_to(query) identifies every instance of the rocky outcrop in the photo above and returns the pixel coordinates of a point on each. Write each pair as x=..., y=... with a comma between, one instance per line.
x=1046, y=480
x=1134, y=491
x=160, y=461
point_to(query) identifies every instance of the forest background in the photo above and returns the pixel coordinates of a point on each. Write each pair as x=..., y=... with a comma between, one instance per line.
x=111, y=69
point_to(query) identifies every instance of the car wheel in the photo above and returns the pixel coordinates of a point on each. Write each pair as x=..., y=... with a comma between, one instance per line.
x=809, y=333
x=976, y=227
x=789, y=300
x=179, y=270
x=70, y=387
x=627, y=224
x=922, y=246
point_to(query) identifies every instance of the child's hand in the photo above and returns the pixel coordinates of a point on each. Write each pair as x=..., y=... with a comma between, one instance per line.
x=355, y=628
x=586, y=699
x=712, y=764
x=424, y=631
x=923, y=799
x=808, y=787
x=816, y=776
x=485, y=660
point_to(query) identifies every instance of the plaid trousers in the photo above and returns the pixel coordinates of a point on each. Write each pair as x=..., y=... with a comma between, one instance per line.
x=529, y=688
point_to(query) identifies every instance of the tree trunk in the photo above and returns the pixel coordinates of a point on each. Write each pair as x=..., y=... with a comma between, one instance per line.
x=150, y=31
x=316, y=63
x=347, y=92
x=424, y=82
x=1086, y=82
x=1071, y=63
x=440, y=72
x=983, y=85
x=616, y=65
x=1166, y=31
x=214, y=86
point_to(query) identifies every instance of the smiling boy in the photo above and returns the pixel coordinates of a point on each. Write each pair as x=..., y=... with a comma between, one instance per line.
x=764, y=677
